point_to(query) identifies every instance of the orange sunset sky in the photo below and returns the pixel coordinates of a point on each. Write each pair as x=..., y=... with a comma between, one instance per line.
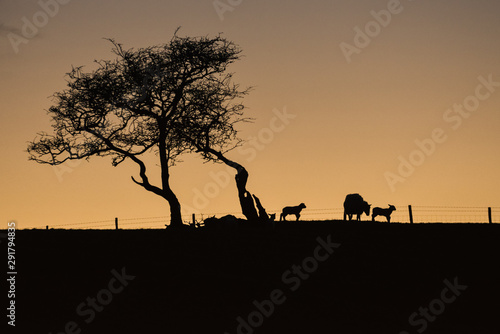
x=396, y=100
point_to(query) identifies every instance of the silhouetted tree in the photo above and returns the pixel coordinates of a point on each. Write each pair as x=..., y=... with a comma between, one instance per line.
x=145, y=101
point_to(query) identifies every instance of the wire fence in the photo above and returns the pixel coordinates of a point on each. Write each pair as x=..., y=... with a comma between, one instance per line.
x=420, y=214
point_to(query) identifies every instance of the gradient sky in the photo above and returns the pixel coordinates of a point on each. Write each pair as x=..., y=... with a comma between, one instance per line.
x=354, y=119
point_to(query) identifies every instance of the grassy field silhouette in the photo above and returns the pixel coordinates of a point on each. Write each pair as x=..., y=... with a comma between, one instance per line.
x=218, y=281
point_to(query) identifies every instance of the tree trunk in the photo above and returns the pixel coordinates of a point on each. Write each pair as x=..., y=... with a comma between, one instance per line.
x=175, y=206
x=246, y=201
x=175, y=209
x=263, y=216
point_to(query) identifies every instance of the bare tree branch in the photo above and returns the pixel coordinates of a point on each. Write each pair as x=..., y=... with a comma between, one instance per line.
x=167, y=99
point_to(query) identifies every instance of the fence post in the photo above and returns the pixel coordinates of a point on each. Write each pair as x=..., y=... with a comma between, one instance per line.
x=489, y=216
x=194, y=220
x=116, y=223
x=411, y=214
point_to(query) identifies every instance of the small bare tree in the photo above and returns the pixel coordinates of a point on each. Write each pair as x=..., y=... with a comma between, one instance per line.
x=144, y=102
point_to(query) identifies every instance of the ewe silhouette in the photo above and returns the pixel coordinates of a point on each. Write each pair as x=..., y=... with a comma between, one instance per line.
x=292, y=210
x=228, y=222
x=383, y=212
x=355, y=205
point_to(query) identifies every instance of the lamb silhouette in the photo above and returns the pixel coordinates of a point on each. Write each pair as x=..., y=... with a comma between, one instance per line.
x=292, y=210
x=383, y=212
x=355, y=205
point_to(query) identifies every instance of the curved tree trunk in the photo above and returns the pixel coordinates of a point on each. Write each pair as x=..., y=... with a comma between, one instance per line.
x=168, y=194
x=175, y=209
x=246, y=200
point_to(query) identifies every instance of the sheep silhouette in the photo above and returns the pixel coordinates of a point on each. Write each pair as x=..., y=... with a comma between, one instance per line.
x=383, y=212
x=292, y=210
x=355, y=205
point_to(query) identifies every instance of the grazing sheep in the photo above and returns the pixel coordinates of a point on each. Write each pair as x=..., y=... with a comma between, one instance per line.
x=383, y=212
x=292, y=210
x=355, y=205
x=228, y=222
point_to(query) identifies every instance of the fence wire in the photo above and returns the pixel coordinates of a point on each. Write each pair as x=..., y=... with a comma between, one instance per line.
x=421, y=214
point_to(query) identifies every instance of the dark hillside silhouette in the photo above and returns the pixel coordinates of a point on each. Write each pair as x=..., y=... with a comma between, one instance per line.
x=206, y=280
